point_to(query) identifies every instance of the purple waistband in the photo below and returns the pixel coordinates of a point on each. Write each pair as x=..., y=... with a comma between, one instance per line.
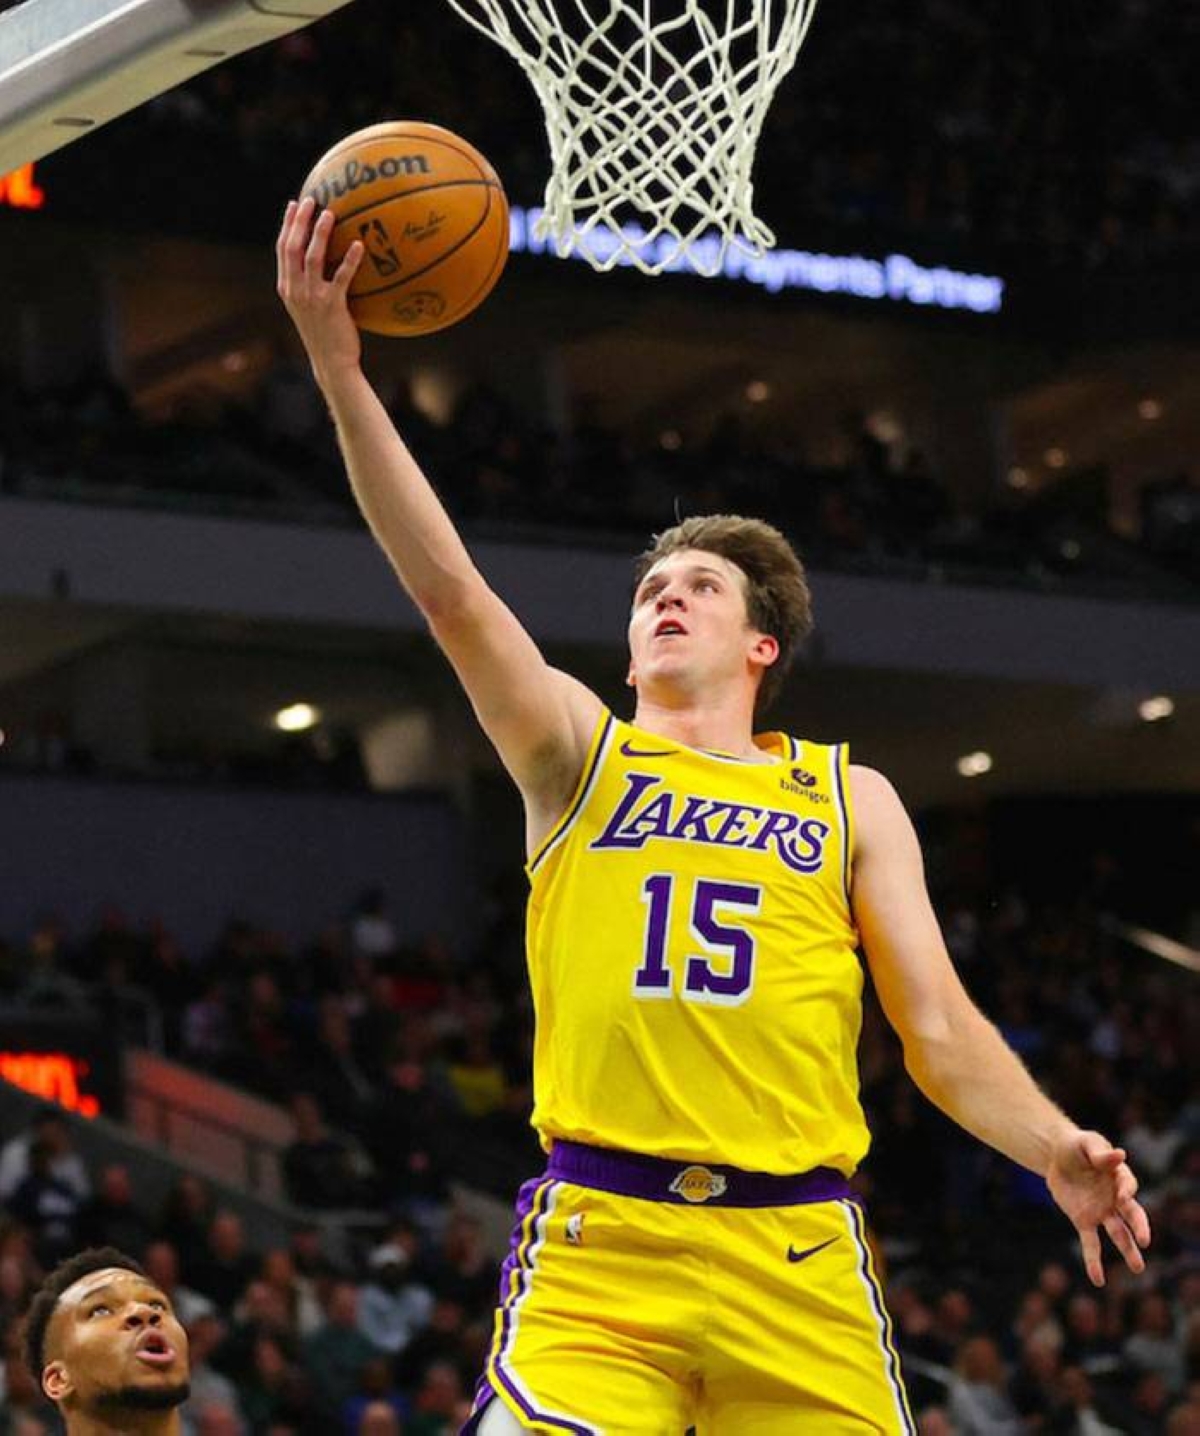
x=663, y=1179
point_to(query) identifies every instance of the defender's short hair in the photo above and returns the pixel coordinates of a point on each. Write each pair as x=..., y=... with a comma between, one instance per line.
x=65, y=1275
x=777, y=597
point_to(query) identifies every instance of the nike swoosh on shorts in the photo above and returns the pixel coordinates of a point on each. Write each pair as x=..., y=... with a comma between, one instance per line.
x=794, y=1256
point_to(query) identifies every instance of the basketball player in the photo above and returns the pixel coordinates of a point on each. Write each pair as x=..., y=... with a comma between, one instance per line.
x=104, y=1344
x=698, y=895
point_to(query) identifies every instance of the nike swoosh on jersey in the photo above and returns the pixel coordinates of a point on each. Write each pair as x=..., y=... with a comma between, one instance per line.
x=631, y=752
x=794, y=1256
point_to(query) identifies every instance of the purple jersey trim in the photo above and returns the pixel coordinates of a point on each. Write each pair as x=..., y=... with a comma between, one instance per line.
x=630, y=1174
x=891, y=1356
x=585, y=787
x=840, y=789
x=534, y=1202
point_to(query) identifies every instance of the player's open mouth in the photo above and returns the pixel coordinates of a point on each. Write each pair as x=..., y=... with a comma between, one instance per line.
x=154, y=1349
x=669, y=628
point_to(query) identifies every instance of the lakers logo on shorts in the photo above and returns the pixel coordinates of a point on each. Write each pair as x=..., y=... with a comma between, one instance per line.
x=698, y=1184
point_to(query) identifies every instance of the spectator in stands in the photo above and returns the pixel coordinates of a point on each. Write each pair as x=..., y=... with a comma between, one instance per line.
x=377, y=1387
x=50, y=1128
x=979, y=1403
x=332, y=1070
x=1154, y=1345
x=296, y=1292
x=372, y=932
x=393, y=1306
x=262, y=1311
x=49, y=1206
x=278, y=1392
x=211, y=1391
x=186, y=1216
x=112, y=1219
x=440, y=1407
x=223, y=1268
x=161, y=1261
x=379, y=1418
x=338, y=1352
x=320, y=1170
x=215, y=1419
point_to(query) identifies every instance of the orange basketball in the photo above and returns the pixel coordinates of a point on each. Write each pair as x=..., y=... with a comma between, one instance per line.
x=432, y=215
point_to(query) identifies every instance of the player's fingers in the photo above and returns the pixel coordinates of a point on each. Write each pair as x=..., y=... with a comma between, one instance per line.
x=1099, y=1152
x=318, y=243
x=297, y=238
x=1089, y=1244
x=281, y=240
x=1122, y=1238
x=344, y=275
x=1133, y=1214
x=285, y=227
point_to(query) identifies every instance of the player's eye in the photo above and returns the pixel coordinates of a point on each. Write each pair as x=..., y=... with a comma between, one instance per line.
x=100, y=1307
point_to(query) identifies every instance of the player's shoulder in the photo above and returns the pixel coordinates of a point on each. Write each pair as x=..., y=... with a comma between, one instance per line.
x=873, y=794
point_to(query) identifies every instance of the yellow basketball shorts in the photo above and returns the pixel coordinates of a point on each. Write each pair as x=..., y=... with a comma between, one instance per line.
x=625, y=1314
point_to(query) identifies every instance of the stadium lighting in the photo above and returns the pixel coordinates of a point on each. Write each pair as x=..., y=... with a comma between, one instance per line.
x=1150, y=410
x=1018, y=478
x=758, y=391
x=1055, y=458
x=1154, y=710
x=297, y=718
x=974, y=765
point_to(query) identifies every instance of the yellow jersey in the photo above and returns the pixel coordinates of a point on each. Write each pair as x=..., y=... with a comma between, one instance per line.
x=693, y=956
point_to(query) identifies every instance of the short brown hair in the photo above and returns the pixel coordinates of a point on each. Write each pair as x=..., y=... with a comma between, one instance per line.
x=777, y=597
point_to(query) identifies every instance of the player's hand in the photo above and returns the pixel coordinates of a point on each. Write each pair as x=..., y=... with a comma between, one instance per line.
x=1090, y=1180
x=317, y=304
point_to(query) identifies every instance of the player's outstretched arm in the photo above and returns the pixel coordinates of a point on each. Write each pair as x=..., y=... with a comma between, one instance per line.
x=956, y=1056
x=539, y=719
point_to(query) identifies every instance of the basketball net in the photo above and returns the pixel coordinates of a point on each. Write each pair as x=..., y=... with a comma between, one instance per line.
x=653, y=111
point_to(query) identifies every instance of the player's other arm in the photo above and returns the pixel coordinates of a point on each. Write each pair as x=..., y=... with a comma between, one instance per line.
x=539, y=719
x=955, y=1055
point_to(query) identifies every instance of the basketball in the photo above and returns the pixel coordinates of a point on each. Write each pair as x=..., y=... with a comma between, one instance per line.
x=433, y=218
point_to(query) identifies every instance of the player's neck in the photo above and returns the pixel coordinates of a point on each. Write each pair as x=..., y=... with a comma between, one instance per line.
x=126, y=1423
x=714, y=727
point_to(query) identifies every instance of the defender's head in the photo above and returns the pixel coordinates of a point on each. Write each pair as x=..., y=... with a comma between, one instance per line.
x=739, y=596
x=101, y=1338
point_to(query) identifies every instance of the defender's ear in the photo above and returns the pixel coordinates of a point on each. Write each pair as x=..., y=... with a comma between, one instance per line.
x=56, y=1381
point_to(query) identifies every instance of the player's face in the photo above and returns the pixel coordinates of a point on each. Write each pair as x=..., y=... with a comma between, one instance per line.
x=114, y=1345
x=689, y=626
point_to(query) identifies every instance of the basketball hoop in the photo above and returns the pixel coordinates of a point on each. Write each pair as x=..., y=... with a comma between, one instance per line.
x=653, y=111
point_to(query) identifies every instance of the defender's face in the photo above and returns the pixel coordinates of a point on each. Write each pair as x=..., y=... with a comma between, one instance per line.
x=114, y=1340
x=690, y=623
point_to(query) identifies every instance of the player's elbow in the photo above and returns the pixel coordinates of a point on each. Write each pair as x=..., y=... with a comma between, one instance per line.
x=941, y=1044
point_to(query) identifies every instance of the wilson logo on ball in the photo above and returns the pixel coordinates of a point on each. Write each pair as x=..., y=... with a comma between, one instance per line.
x=355, y=174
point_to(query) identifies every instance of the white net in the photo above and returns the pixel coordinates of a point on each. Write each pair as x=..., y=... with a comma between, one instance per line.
x=653, y=111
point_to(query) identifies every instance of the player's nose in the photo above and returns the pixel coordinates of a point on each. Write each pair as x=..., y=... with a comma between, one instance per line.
x=139, y=1314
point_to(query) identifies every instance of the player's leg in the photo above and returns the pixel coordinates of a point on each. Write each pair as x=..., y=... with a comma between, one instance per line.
x=597, y=1300
x=800, y=1340
x=498, y=1420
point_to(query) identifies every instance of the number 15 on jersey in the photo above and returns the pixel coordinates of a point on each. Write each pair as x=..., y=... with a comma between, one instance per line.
x=722, y=971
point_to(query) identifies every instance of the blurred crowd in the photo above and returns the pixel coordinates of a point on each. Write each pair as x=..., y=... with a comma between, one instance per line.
x=406, y=1072
x=987, y=127
x=881, y=508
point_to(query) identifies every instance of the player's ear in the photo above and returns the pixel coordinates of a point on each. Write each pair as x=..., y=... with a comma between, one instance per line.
x=765, y=649
x=631, y=676
x=56, y=1381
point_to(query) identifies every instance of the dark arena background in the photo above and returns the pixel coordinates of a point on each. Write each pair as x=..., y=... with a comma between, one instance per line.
x=263, y=1013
